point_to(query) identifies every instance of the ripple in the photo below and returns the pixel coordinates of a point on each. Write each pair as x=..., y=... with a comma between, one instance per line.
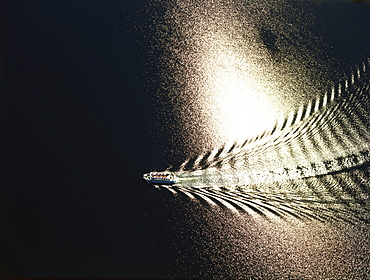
x=311, y=165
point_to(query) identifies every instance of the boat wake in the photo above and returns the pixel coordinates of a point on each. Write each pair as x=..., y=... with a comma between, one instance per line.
x=313, y=164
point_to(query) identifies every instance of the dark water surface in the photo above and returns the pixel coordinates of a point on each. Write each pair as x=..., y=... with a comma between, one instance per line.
x=98, y=93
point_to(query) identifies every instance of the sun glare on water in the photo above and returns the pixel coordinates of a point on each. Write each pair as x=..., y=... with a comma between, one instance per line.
x=238, y=104
x=227, y=79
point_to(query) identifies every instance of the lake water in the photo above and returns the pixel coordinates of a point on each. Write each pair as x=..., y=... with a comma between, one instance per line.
x=263, y=103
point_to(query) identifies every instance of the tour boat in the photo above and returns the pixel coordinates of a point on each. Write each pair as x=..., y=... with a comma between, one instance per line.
x=160, y=178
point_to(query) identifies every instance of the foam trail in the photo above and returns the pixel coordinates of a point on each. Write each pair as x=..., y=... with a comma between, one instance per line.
x=244, y=176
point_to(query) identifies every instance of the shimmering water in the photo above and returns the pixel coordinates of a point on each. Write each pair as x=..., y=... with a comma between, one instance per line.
x=260, y=106
x=243, y=246
x=231, y=68
x=313, y=165
x=264, y=198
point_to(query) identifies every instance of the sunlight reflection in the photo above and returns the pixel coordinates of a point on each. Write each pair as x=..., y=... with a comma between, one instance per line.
x=239, y=107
